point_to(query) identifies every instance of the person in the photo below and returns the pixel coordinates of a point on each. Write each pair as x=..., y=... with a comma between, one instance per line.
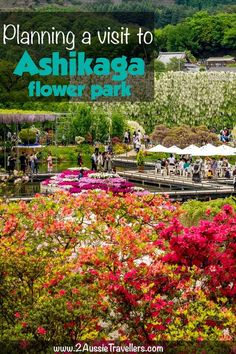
x=94, y=161
x=14, y=138
x=23, y=162
x=12, y=163
x=110, y=150
x=234, y=178
x=126, y=137
x=134, y=140
x=63, y=140
x=164, y=166
x=157, y=166
x=50, y=164
x=171, y=164
x=37, y=137
x=27, y=159
x=146, y=140
x=100, y=162
x=171, y=160
x=8, y=163
x=81, y=174
x=106, y=147
x=79, y=160
x=187, y=167
x=227, y=173
x=209, y=174
x=181, y=167
x=36, y=164
x=9, y=135
x=32, y=163
x=220, y=167
x=129, y=137
x=140, y=136
x=47, y=138
x=197, y=172
x=214, y=166
x=137, y=145
x=108, y=163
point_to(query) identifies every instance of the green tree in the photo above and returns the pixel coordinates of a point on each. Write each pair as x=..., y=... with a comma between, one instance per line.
x=159, y=67
x=77, y=123
x=175, y=64
x=118, y=125
x=202, y=34
x=229, y=39
x=101, y=126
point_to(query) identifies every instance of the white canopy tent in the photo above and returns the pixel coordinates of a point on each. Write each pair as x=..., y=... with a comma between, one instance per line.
x=175, y=150
x=193, y=150
x=159, y=148
x=207, y=150
x=225, y=150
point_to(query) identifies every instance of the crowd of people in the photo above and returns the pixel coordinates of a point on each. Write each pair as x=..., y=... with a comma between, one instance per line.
x=137, y=139
x=28, y=163
x=41, y=137
x=101, y=161
x=208, y=168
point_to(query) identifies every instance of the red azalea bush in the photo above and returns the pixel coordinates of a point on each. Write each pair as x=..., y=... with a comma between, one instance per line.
x=102, y=267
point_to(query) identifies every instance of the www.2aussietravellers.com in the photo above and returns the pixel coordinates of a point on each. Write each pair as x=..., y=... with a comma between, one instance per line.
x=109, y=348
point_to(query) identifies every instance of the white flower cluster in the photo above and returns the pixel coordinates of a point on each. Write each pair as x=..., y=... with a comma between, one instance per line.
x=187, y=98
x=103, y=175
x=78, y=168
x=137, y=189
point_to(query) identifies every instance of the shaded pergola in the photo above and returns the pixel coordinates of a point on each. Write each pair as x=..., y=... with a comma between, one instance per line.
x=31, y=118
x=18, y=118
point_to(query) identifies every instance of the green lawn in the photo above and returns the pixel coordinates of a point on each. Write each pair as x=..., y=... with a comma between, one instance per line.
x=68, y=153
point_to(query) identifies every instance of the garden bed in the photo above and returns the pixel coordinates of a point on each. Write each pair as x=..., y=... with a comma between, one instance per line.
x=69, y=180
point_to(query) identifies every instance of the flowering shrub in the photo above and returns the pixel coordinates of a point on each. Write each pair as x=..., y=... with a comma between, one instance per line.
x=79, y=140
x=98, y=266
x=187, y=98
x=68, y=180
x=192, y=135
x=121, y=148
x=103, y=175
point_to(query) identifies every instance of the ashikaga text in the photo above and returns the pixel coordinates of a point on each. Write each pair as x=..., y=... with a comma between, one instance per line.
x=77, y=64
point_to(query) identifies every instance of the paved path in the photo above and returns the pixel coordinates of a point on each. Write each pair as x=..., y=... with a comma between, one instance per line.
x=149, y=177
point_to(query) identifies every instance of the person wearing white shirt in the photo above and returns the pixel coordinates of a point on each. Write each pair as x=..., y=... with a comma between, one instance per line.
x=181, y=167
x=171, y=160
x=140, y=136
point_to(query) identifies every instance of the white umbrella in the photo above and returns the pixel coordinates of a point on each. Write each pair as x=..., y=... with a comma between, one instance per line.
x=175, y=150
x=159, y=148
x=208, y=150
x=225, y=150
x=191, y=150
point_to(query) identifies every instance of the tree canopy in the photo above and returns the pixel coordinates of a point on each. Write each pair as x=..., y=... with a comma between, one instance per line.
x=203, y=34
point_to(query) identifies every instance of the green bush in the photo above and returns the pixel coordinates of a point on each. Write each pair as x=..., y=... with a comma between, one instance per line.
x=140, y=158
x=28, y=136
x=194, y=210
